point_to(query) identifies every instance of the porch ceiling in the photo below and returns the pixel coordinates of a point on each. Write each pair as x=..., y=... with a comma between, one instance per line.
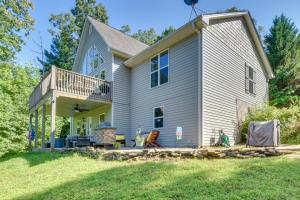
x=65, y=105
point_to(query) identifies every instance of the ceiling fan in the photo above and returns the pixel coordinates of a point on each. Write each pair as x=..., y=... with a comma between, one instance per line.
x=78, y=109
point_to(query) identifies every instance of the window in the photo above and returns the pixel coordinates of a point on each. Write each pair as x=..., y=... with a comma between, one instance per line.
x=250, y=80
x=102, y=74
x=158, y=117
x=159, y=69
x=101, y=118
x=92, y=60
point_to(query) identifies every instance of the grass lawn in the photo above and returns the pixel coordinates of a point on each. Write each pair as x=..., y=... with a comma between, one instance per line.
x=70, y=176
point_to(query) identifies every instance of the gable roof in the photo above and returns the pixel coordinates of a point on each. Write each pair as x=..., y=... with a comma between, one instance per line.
x=116, y=40
x=194, y=26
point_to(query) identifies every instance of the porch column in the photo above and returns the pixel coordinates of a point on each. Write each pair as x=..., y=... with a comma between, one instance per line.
x=30, y=129
x=53, y=115
x=36, y=128
x=72, y=124
x=43, y=125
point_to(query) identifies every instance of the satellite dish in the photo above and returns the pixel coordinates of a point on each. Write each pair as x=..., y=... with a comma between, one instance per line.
x=190, y=2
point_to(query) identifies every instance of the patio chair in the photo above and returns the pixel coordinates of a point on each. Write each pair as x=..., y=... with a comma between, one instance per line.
x=120, y=138
x=151, y=139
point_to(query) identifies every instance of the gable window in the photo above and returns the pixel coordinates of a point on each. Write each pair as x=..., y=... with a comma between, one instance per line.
x=158, y=117
x=159, y=69
x=92, y=60
x=102, y=74
x=250, y=80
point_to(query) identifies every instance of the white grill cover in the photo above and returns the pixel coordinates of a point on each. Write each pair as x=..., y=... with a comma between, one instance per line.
x=264, y=134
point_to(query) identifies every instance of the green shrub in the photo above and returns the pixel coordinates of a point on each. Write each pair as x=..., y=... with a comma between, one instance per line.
x=289, y=121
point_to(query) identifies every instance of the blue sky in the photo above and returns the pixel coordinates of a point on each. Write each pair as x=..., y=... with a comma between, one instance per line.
x=159, y=14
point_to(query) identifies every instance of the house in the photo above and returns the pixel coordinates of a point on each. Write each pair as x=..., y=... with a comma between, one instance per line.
x=203, y=78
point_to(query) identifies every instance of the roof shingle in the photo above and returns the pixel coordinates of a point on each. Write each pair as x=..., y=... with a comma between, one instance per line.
x=117, y=40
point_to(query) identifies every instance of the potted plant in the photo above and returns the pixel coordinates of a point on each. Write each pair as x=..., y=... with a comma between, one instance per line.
x=60, y=141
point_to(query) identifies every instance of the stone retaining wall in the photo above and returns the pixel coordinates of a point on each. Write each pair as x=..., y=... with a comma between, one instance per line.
x=159, y=154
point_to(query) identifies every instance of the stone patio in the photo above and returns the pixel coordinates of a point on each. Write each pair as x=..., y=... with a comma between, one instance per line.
x=241, y=152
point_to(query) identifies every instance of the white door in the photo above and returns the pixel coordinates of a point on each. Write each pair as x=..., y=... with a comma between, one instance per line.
x=89, y=126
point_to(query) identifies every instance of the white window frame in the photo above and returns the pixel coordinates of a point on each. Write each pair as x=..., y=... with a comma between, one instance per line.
x=162, y=117
x=87, y=66
x=158, y=68
x=248, y=80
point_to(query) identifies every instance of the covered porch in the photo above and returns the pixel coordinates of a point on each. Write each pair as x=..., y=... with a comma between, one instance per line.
x=68, y=94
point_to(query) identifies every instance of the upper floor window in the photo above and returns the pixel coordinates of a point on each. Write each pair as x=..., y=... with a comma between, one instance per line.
x=92, y=60
x=250, y=80
x=159, y=69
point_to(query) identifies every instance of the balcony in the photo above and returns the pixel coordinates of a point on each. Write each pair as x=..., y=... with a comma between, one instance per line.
x=71, y=85
x=63, y=93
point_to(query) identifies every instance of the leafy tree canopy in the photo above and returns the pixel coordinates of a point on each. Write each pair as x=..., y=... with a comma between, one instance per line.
x=150, y=37
x=146, y=36
x=166, y=32
x=282, y=46
x=125, y=29
x=282, y=42
x=15, y=20
x=16, y=84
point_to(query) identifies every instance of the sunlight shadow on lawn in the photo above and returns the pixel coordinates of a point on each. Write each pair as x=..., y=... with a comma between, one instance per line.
x=35, y=158
x=264, y=179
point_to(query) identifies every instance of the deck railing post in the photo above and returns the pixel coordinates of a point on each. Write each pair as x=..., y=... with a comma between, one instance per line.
x=36, y=127
x=53, y=77
x=30, y=131
x=43, y=125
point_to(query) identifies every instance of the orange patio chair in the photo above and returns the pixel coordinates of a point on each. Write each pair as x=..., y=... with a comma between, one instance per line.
x=150, y=140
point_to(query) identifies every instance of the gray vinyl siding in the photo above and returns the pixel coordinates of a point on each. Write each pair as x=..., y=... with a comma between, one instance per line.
x=121, y=97
x=179, y=96
x=227, y=47
x=91, y=39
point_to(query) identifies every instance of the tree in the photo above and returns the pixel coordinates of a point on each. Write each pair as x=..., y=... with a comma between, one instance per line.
x=67, y=30
x=150, y=37
x=282, y=42
x=125, y=29
x=63, y=48
x=282, y=45
x=234, y=9
x=85, y=8
x=146, y=36
x=15, y=20
x=166, y=32
x=16, y=84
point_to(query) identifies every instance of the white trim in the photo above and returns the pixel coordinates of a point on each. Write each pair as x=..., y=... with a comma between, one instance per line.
x=112, y=79
x=248, y=79
x=158, y=68
x=153, y=118
x=72, y=125
x=200, y=89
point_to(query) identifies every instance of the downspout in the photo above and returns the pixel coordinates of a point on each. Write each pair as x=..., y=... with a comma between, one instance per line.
x=200, y=85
